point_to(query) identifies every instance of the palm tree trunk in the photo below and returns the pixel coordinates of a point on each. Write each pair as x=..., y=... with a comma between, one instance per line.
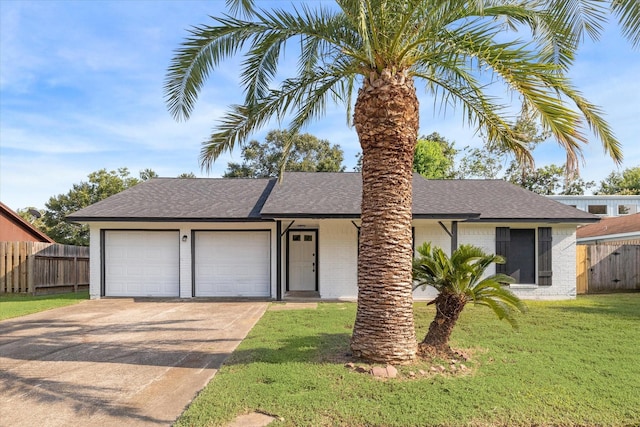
x=448, y=309
x=386, y=119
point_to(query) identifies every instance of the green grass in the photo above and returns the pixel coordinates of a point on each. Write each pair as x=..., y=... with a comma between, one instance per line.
x=15, y=305
x=572, y=363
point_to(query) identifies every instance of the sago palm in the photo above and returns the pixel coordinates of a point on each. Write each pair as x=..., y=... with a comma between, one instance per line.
x=373, y=52
x=459, y=280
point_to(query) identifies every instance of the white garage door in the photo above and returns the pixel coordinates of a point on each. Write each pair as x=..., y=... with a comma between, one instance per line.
x=142, y=263
x=232, y=263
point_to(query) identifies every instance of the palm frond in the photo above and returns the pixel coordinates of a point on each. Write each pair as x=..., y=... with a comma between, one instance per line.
x=628, y=14
x=463, y=274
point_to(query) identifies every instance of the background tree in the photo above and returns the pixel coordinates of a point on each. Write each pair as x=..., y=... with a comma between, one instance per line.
x=33, y=216
x=625, y=183
x=548, y=180
x=306, y=153
x=434, y=157
x=187, y=175
x=459, y=280
x=100, y=185
x=380, y=48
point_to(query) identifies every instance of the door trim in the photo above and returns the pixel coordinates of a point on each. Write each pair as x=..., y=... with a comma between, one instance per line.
x=304, y=230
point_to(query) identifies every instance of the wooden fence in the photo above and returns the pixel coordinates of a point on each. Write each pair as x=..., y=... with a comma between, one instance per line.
x=607, y=268
x=42, y=267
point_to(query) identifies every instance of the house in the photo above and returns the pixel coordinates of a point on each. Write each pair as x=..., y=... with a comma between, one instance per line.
x=13, y=228
x=214, y=237
x=621, y=229
x=602, y=205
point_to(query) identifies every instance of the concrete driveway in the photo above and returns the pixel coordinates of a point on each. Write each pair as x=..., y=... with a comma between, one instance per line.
x=115, y=362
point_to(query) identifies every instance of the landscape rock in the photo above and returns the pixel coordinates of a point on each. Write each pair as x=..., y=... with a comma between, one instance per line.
x=388, y=371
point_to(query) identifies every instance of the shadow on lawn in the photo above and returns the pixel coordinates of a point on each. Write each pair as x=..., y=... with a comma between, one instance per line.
x=318, y=348
x=624, y=306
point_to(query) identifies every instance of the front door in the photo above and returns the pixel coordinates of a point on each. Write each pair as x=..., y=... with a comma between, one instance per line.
x=302, y=261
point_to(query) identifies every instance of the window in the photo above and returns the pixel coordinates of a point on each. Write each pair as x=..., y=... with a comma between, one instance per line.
x=518, y=246
x=296, y=238
x=308, y=238
x=597, y=209
x=627, y=209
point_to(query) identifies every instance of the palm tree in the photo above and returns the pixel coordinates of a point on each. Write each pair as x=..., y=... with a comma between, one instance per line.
x=459, y=280
x=381, y=48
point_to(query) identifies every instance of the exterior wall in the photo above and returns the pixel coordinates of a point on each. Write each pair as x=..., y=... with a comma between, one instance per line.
x=431, y=231
x=338, y=256
x=338, y=251
x=12, y=231
x=563, y=257
x=611, y=202
x=338, y=259
x=186, y=254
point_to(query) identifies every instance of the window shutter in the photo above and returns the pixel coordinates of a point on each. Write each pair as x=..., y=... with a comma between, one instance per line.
x=544, y=256
x=503, y=237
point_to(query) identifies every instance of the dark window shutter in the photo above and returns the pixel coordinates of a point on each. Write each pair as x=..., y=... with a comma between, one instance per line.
x=503, y=238
x=544, y=256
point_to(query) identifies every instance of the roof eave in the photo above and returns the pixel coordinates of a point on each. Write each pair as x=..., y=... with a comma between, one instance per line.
x=80, y=220
x=535, y=219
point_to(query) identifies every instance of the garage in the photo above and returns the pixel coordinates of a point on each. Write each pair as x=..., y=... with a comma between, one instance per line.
x=232, y=263
x=141, y=263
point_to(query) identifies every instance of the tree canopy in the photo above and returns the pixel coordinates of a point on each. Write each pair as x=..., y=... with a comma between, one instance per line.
x=306, y=154
x=434, y=157
x=99, y=185
x=626, y=182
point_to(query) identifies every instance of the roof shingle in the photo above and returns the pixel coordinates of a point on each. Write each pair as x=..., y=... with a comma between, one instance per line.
x=318, y=195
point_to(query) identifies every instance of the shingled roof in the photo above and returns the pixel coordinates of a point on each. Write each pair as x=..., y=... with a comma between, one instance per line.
x=309, y=194
x=611, y=226
x=320, y=195
x=193, y=199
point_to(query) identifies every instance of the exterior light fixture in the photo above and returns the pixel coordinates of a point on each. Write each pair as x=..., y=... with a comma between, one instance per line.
x=184, y=238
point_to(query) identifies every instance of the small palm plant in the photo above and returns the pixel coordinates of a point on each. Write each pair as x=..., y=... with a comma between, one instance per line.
x=459, y=280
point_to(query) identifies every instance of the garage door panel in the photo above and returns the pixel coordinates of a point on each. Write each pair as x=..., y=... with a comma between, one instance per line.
x=233, y=263
x=142, y=263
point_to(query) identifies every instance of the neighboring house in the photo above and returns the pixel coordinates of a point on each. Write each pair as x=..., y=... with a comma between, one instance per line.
x=259, y=238
x=604, y=205
x=615, y=229
x=15, y=229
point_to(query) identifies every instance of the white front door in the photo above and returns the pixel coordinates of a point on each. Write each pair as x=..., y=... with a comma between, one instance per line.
x=302, y=260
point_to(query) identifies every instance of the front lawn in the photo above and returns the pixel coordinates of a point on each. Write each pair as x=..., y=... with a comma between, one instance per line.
x=15, y=305
x=573, y=363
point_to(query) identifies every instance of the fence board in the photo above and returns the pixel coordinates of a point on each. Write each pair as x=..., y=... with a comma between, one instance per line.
x=582, y=268
x=29, y=266
x=613, y=267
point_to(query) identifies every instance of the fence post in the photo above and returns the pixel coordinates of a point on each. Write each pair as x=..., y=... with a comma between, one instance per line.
x=3, y=268
x=30, y=268
x=15, y=277
x=75, y=273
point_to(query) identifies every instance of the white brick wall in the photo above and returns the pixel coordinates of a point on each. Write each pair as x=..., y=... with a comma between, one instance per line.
x=338, y=252
x=338, y=258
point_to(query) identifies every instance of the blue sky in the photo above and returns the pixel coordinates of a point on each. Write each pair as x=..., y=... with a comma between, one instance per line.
x=81, y=90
